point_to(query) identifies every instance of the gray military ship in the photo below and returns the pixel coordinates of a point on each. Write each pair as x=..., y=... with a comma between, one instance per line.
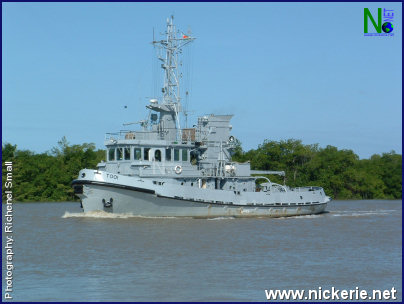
x=164, y=170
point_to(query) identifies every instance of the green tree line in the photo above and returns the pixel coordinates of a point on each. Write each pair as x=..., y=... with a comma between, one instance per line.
x=47, y=176
x=340, y=172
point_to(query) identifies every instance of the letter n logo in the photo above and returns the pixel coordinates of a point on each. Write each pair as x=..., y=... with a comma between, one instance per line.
x=367, y=15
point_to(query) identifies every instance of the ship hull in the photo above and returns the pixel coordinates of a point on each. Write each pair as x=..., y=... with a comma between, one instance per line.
x=142, y=202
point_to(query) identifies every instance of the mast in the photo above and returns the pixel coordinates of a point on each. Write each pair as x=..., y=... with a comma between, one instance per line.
x=170, y=47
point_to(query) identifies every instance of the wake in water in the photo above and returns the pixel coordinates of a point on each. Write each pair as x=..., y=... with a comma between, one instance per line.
x=309, y=216
x=358, y=213
x=351, y=213
x=221, y=218
x=97, y=214
x=108, y=215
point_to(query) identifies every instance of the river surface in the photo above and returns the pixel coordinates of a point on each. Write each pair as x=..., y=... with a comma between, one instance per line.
x=61, y=254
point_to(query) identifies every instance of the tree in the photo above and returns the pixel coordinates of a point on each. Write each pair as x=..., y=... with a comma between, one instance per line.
x=47, y=176
x=340, y=172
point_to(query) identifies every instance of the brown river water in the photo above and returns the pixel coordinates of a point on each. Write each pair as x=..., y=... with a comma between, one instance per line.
x=61, y=254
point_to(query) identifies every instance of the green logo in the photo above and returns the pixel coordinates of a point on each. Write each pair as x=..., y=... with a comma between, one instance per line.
x=387, y=27
x=384, y=22
x=367, y=15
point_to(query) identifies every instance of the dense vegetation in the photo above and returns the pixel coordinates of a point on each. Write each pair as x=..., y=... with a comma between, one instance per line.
x=47, y=176
x=340, y=172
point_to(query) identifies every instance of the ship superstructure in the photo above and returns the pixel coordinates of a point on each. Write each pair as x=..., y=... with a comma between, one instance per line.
x=166, y=170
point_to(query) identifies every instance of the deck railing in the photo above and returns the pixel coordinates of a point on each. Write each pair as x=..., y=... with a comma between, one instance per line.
x=187, y=135
x=308, y=188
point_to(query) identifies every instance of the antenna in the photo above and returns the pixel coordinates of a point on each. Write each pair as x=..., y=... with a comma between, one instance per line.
x=170, y=48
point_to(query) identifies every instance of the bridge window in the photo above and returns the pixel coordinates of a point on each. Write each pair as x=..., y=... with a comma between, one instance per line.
x=146, y=153
x=193, y=158
x=184, y=155
x=168, y=154
x=126, y=153
x=111, y=154
x=119, y=153
x=137, y=153
x=176, y=154
x=157, y=155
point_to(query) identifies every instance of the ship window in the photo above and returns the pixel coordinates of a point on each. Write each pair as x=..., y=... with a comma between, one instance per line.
x=184, y=155
x=168, y=154
x=137, y=153
x=111, y=154
x=157, y=155
x=126, y=153
x=119, y=153
x=176, y=154
x=193, y=158
x=146, y=153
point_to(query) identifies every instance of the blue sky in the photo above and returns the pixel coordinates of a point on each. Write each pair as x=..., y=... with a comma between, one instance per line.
x=286, y=70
